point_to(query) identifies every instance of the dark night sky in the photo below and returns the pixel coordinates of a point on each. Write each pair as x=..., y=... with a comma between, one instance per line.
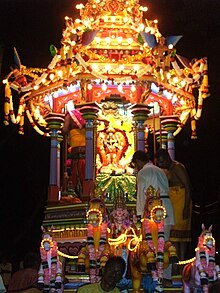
x=31, y=26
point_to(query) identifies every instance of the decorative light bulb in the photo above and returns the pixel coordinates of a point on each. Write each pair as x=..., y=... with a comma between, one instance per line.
x=119, y=39
x=107, y=40
x=141, y=27
x=108, y=67
x=89, y=86
x=170, y=46
x=60, y=73
x=97, y=39
x=133, y=88
x=130, y=40
x=120, y=87
x=136, y=67
x=175, y=79
x=55, y=95
x=104, y=87
x=121, y=67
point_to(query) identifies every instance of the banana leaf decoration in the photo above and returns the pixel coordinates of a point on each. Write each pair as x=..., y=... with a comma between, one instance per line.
x=151, y=40
x=184, y=61
x=17, y=60
x=53, y=50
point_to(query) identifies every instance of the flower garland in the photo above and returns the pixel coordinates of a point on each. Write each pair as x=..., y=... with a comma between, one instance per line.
x=206, y=259
x=94, y=256
x=50, y=270
x=159, y=251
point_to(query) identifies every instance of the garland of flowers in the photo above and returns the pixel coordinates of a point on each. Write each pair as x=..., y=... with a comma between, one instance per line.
x=36, y=128
x=206, y=270
x=49, y=275
x=94, y=256
x=160, y=246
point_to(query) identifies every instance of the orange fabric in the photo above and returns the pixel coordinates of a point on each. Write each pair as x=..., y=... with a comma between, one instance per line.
x=77, y=137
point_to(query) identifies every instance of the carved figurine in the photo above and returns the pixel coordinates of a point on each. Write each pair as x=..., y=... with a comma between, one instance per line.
x=202, y=271
x=93, y=256
x=50, y=275
x=153, y=254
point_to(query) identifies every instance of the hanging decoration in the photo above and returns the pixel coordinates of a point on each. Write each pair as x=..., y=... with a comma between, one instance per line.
x=109, y=44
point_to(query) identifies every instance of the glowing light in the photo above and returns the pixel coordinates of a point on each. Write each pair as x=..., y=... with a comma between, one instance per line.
x=153, y=213
x=104, y=87
x=133, y=88
x=120, y=88
x=52, y=76
x=56, y=95
x=123, y=238
x=108, y=67
x=169, y=95
x=60, y=73
x=89, y=86
x=97, y=39
x=208, y=238
x=183, y=83
x=170, y=46
x=36, y=87
x=141, y=27
x=95, y=67
x=107, y=40
x=130, y=41
x=67, y=255
x=95, y=211
x=119, y=39
x=121, y=67
x=174, y=99
x=47, y=240
x=70, y=106
x=136, y=67
x=175, y=79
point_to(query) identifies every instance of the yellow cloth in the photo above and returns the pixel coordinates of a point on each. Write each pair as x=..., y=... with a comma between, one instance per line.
x=181, y=231
x=95, y=288
x=77, y=137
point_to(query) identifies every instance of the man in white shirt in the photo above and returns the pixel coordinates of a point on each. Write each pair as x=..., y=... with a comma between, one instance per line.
x=150, y=175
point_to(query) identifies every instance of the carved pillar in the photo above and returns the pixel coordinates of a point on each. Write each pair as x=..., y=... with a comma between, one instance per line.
x=161, y=137
x=140, y=113
x=170, y=124
x=59, y=140
x=54, y=121
x=89, y=112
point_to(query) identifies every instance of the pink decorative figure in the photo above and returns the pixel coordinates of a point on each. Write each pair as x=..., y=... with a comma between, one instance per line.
x=198, y=274
x=50, y=275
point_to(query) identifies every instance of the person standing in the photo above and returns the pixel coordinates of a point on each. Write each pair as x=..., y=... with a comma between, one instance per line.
x=151, y=175
x=180, y=195
x=74, y=127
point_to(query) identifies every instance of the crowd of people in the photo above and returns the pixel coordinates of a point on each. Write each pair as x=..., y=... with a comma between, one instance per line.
x=171, y=179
